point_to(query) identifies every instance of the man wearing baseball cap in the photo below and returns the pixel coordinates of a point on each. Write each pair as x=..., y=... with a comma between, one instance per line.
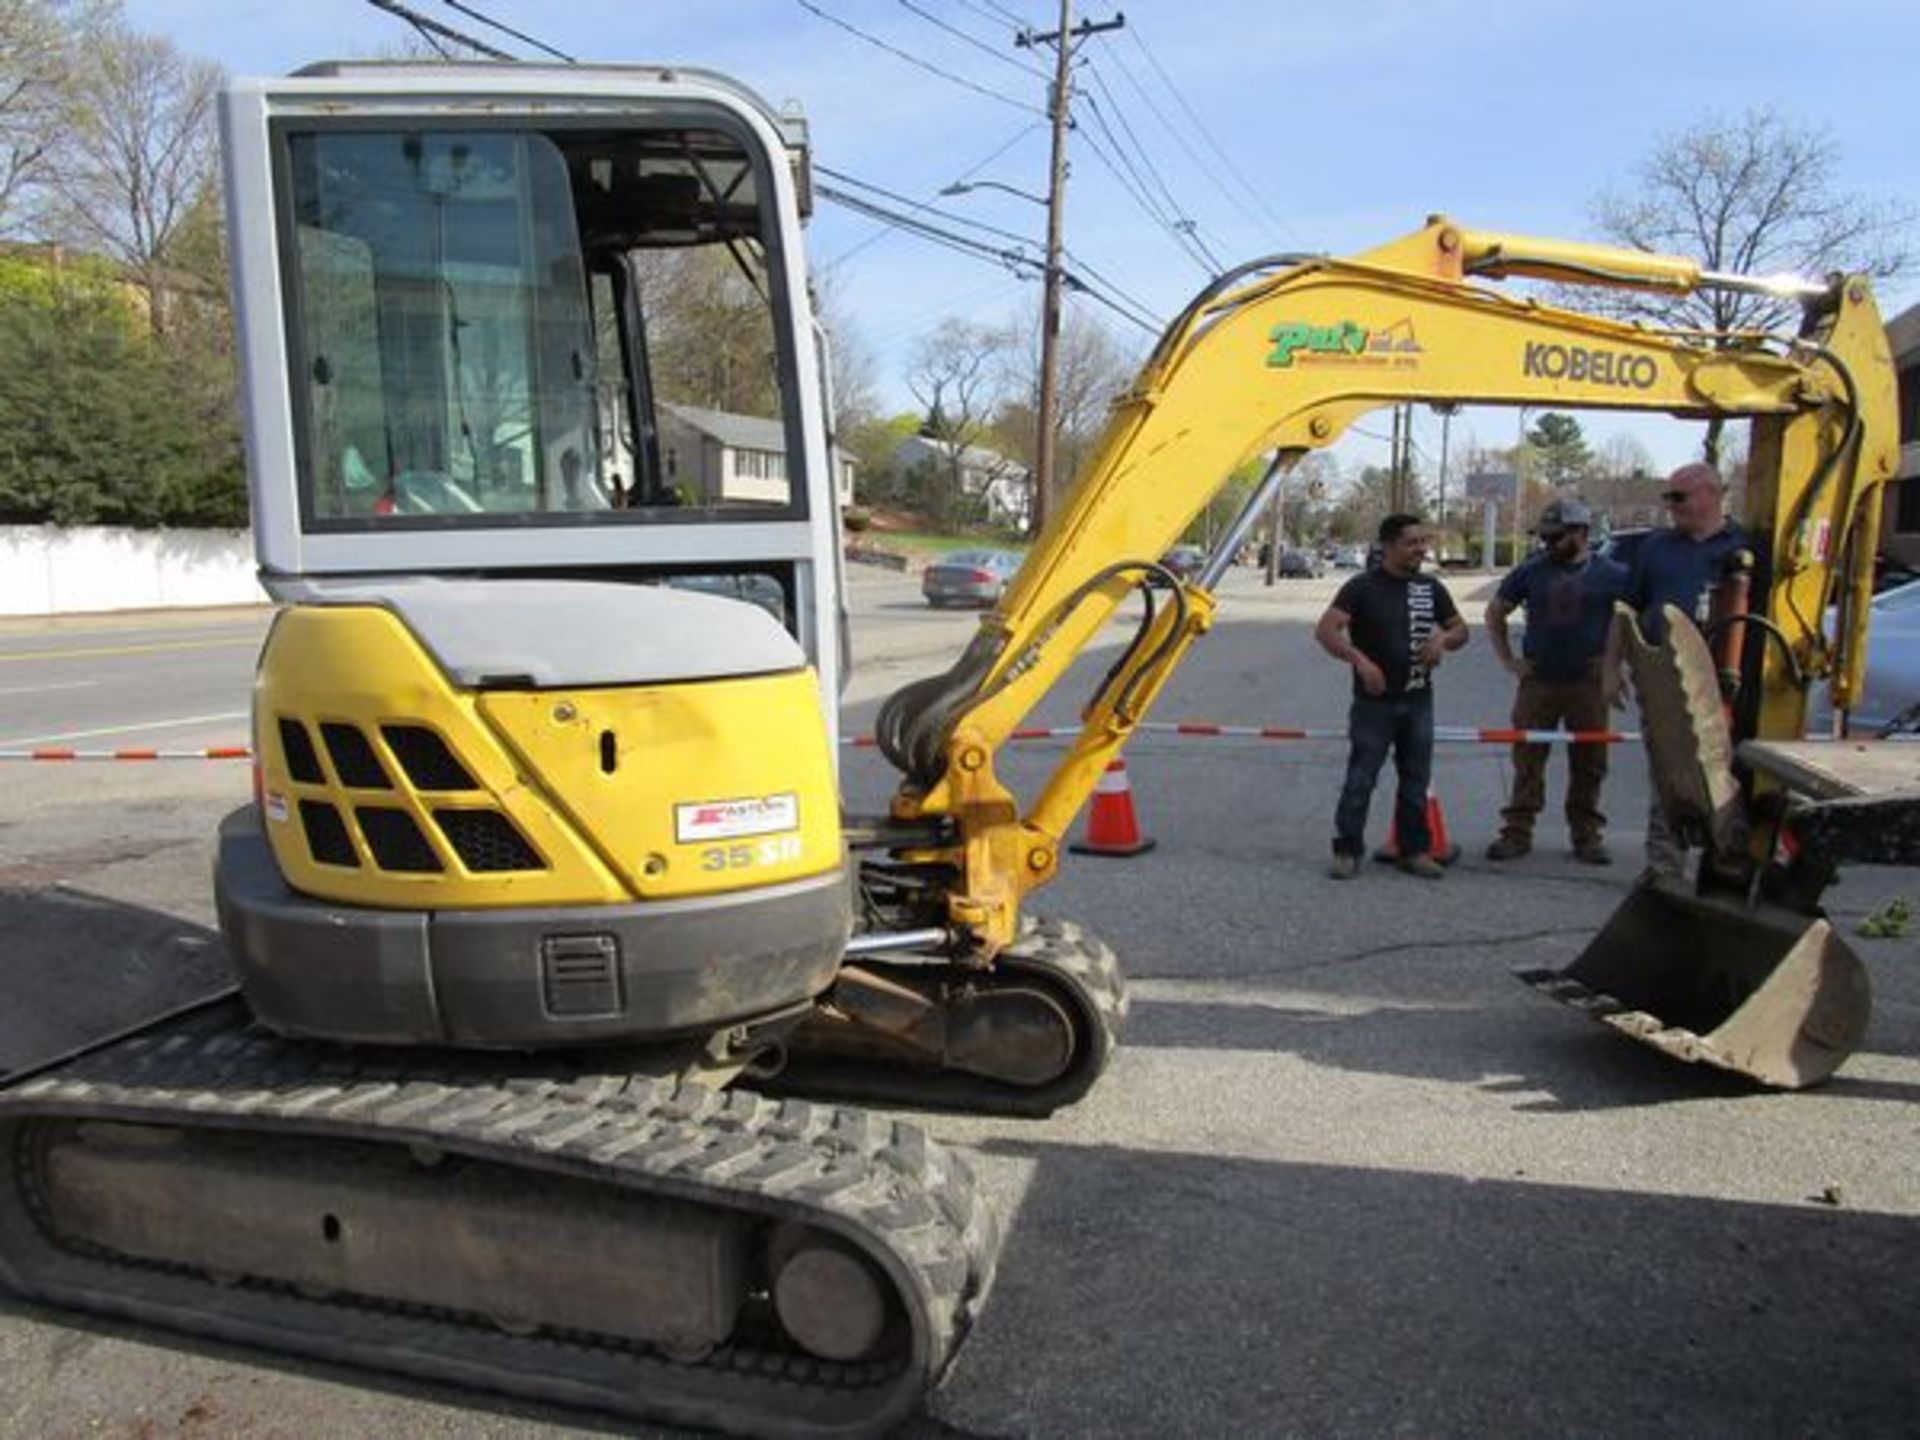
x=1567, y=594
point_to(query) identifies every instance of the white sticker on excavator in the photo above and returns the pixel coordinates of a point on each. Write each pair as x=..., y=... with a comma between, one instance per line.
x=276, y=807
x=730, y=819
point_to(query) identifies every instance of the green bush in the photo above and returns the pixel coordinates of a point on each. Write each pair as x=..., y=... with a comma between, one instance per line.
x=100, y=425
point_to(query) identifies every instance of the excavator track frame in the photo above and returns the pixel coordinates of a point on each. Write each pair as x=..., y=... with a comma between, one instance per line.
x=876, y=1187
x=1080, y=974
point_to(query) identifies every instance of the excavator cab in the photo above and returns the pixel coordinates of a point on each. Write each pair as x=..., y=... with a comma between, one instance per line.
x=540, y=472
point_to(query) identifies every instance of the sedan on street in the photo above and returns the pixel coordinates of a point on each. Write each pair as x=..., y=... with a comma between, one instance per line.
x=1890, y=699
x=1298, y=564
x=969, y=577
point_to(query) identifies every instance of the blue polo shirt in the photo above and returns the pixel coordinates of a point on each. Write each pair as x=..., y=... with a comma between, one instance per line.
x=1568, y=609
x=1674, y=569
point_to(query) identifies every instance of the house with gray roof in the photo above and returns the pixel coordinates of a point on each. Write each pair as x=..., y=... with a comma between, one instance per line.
x=720, y=456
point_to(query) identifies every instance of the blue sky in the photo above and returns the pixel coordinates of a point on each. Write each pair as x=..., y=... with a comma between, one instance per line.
x=1320, y=126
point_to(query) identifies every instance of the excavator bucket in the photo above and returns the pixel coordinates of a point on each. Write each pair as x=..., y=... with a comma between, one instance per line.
x=1762, y=991
x=1714, y=975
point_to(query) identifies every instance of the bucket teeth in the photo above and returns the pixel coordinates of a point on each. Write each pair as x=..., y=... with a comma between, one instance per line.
x=1689, y=744
x=1764, y=992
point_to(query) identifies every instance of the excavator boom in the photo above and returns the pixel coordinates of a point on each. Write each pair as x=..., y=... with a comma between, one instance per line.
x=1280, y=358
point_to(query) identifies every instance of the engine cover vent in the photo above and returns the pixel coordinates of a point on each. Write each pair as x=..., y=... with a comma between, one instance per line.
x=580, y=977
x=486, y=841
x=327, y=839
x=427, y=760
x=396, y=842
x=353, y=758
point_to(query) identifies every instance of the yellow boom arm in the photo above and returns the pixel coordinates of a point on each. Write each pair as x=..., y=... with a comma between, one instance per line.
x=1282, y=357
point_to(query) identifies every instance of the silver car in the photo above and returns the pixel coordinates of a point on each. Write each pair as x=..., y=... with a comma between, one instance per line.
x=1889, y=700
x=969, y=577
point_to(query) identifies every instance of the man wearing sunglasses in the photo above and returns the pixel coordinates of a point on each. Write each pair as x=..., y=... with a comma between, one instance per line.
x=1567, y=594
x=1678, y=566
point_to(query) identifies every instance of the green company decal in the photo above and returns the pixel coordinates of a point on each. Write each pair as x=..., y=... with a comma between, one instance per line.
x=1290, y=336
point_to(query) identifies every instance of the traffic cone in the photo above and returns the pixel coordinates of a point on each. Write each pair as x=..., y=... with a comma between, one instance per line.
x=1112, y=827
x=1441, y=845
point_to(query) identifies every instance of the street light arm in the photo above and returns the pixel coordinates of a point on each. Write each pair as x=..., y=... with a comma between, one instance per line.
x=961, y=187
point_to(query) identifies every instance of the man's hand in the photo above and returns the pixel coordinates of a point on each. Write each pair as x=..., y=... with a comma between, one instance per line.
x=1431, y=654
x=1373, y=679
x=1518, y=666
x=1613, y=689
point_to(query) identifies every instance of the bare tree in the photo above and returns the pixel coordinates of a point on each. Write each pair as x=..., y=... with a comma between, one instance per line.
x=33, y=64
x=1622, y=456
x=959, y=374
x=1753, y=195
x=1091, y=369
x=138, y=156
x=710, y=336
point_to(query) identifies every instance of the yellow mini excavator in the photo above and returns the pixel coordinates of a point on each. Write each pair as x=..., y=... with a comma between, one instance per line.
x=545, y=899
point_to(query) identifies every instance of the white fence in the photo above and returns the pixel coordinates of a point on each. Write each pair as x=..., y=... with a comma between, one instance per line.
x=49, y=571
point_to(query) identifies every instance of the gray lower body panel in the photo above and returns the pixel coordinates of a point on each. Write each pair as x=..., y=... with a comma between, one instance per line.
x=519, y=978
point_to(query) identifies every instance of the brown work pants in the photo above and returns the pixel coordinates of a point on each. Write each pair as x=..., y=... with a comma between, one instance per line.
x=1547, y=705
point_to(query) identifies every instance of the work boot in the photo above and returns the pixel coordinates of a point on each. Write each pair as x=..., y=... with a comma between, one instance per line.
x=1509, y=846
x=1592, y=851
x=1344, y=867
x=1425, y=866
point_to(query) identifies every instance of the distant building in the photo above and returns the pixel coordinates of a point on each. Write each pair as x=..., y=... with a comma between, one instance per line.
x=1004, y=485
x=1900, y=519
x=721, y=456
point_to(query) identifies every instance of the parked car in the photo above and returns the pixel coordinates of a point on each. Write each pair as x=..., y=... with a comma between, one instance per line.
x=1298, y=565
x=969, y=577
x=1889, y=700
x=1184, y=560
x=1890, y=574
x=1350, y=557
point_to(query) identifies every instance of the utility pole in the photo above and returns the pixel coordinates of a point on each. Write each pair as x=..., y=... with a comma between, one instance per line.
x=1396, y=497
x=1062, y=41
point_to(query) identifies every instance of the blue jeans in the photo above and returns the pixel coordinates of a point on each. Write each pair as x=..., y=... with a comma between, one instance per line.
x=1405, y=726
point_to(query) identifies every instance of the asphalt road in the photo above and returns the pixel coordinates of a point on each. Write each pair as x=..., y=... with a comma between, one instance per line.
x=1345, y=1176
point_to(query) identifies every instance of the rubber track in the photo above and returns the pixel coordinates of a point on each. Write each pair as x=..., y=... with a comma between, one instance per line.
x=902, y=1199
x=1083, y=971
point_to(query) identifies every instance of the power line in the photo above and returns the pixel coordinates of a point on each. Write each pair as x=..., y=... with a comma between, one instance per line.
x=878, y=234
x=525, y=39
x=1159, y=323
x=1013, y=259
x=1200, y=161
x=1174, y=207
x=1026, y=265
x=1206, y=134
x=915, y=60
x=926, y=205
x=429, y=29
x=1018, y=21
x=978, y=44
x=1130, y=182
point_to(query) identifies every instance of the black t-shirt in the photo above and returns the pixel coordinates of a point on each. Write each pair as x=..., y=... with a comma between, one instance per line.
x=1391, y=619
